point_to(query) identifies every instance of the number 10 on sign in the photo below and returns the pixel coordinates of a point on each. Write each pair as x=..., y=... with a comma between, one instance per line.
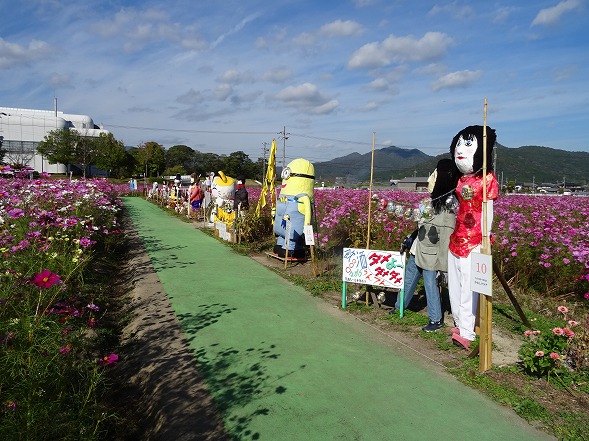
x=481, y=271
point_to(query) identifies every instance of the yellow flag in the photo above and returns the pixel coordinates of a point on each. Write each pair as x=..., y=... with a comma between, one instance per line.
x=269, y=181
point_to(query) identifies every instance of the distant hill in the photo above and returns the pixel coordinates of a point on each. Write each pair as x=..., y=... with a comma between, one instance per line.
x=522, y=164
x=356, y=167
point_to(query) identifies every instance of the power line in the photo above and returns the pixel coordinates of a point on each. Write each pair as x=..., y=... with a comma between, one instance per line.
x=217, y=132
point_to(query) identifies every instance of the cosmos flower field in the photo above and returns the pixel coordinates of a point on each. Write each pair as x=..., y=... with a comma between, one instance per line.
x=540, y=242
x=52, y=351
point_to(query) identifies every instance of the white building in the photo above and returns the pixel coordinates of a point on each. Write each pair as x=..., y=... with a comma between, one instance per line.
x=23, y=129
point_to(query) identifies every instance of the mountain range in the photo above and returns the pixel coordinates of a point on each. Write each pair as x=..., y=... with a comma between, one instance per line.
x=521, y=165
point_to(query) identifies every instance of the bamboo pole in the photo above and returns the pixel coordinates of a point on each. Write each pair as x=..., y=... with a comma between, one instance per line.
x=485, y=302
x=370, y=201
x=370, y=193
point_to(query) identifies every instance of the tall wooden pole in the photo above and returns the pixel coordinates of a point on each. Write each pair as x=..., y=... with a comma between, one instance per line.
x=370, y=201
x=485, y=301
x=370, y=193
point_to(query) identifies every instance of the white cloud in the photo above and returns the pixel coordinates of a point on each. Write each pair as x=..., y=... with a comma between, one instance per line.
x=60, y=80
x=387, y=82
x=277, y=75
x=370, y=106
x=140, y=28
x=436, y=69
x=458, y=11
x=339, y=28
x=379, y=84
x=191, y=97
x=307, y=98
x=222, y=91
x=502, y=14
x=551, y=15
x=233, y=76
x=565, y=72
x=364, y=3
x=431, y=46
x=456, y=80
x=235, y=29
x=304, y=39
x=12, y=54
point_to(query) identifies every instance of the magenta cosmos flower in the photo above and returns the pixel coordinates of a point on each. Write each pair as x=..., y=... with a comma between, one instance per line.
x=108, y=359
x=46, y=279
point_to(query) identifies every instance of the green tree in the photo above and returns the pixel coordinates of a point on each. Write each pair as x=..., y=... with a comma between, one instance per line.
x=237, y=164
x=152, y=158
x=111, y=154
x=85, y=151
x=68, y=147
x=181, y=155
x=58, y=146
x=207, y=162
x=175, y=170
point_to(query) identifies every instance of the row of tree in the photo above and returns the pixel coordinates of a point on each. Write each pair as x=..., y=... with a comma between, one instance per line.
x=149, y=159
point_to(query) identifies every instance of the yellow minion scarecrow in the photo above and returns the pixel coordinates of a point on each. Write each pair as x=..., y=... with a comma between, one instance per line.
x=223, y=193
x=294, y=204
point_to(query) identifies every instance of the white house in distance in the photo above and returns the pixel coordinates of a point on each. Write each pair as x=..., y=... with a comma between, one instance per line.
x=23, y=129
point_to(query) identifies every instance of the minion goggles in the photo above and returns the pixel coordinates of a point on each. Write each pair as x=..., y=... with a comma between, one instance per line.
x=287, y=173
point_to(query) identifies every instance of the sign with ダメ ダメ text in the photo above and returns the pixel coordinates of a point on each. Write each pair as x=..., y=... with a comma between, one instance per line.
x=373, y=267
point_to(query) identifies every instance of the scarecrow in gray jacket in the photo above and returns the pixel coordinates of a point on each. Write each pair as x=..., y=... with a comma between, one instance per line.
x=429, y=250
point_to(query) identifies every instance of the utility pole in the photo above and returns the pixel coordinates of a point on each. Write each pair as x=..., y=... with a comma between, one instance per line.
x=284, y=138
x=264, y=151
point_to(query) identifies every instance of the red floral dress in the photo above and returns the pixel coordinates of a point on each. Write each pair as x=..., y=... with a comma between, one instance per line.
x=468, y=232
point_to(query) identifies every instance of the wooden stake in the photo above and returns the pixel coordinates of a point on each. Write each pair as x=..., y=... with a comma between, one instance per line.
x=370, y=195
x=313, y=260
x=485, y=302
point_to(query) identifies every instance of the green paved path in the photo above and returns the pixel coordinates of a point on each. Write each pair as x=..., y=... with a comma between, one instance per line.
x=282, y=365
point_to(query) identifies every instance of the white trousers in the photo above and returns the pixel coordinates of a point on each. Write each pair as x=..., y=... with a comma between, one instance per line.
x=463, y=300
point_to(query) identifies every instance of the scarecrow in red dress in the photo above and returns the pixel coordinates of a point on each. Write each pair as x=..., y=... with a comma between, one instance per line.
x=467, y=151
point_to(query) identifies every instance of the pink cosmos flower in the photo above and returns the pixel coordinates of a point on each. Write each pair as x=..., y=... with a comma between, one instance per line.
x=539, y=353
x=108, y=359
x=528, y=333
x=46, y=279
x=554, y=356
x=573, y=323
x=85, y=242
x=93, y=307
x=563, y=309
x=15, y=213
x=64, y=350
x=568, y=333
x=558, y=331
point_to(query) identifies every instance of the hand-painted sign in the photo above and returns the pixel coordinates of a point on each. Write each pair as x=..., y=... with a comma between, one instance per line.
x=374, y=267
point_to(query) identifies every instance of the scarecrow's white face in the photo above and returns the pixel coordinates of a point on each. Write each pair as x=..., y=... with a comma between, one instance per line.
x=464, y=153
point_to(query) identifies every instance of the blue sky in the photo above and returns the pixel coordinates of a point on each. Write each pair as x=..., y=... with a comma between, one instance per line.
x=221, y=76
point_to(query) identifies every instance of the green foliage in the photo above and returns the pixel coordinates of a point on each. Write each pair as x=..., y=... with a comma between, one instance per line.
x=58, y=146
x=183, y=156
x=110, y=154
x=175, y=170
x=151, y=158
x=51, y=384
x=547, y=352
